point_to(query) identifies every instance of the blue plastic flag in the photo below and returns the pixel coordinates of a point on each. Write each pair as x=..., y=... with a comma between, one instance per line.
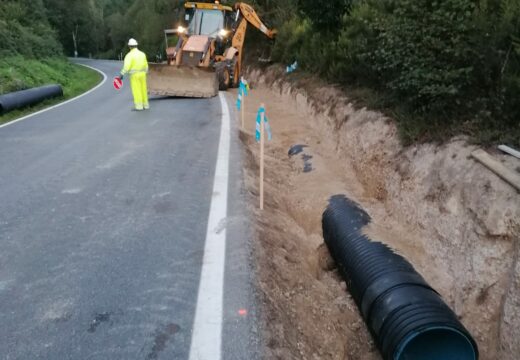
x=258, y=120
x=244, y=86
x=268, y=129
x=261, y=111
x=243, y=90
x=289, y=69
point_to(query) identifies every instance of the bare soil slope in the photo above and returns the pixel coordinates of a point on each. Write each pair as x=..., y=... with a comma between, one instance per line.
x=453, y=219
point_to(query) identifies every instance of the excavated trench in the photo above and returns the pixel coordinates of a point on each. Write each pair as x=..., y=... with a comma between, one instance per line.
x=453, y=220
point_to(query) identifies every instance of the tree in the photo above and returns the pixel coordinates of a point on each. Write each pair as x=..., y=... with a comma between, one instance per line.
x=83, y=18
x=24, y=30
x=325, y=15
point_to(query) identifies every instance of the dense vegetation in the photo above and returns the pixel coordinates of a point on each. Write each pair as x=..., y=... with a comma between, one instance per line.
x=102, y=27
x=17, y=73
x=441, y=67
x=31, y=54
x=97, y=28
x=25, y=30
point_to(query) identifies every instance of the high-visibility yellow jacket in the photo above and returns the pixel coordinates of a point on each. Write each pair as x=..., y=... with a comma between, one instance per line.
x=135, y=62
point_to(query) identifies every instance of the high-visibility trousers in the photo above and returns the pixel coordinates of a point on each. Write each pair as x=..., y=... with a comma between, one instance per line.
x=139, y=90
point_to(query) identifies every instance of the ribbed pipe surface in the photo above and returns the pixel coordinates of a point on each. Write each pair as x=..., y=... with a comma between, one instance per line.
x=407, y=318
x=23, y=98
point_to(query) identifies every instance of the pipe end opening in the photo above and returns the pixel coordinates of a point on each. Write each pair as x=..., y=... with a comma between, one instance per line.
x=436, y=344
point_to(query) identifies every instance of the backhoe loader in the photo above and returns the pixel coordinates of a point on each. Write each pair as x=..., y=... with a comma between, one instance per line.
x=208, y=53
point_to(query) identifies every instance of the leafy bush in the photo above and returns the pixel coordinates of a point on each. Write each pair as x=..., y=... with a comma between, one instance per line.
x=24, y=30
x=425, y=56
x=358, y=35
x=443, y=66
x=292, y=40
x=325, y=15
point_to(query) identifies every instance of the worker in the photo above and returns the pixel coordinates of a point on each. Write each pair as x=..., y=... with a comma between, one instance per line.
x=137, y=66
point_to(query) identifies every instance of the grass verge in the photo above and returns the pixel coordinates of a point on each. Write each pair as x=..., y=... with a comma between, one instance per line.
x=18, y=73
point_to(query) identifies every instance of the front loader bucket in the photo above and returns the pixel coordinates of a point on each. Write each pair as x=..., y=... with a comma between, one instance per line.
x=184, y=81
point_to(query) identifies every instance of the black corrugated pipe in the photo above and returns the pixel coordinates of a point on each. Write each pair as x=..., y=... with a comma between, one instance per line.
x=407, y=318
x=23, y=98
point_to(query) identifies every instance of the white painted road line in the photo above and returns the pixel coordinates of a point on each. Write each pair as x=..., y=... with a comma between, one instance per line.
x=207, y=328
x=62, y=103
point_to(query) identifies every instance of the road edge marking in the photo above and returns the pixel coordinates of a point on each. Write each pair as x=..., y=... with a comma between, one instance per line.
x=206, y=340
x=62, y=103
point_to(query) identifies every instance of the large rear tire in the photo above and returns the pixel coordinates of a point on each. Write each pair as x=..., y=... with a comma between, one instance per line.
x=223, y=76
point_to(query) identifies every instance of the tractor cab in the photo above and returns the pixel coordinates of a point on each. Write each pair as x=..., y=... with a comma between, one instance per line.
x=204, y=24
x=208, y=19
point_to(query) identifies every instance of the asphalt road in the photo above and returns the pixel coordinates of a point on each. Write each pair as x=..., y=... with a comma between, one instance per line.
x=103, y=221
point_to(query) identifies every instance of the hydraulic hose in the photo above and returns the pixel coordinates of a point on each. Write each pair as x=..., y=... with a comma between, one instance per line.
x=23, y=98
x=407, y=318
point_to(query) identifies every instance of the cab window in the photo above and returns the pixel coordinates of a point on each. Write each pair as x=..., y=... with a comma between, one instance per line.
x=206, y=22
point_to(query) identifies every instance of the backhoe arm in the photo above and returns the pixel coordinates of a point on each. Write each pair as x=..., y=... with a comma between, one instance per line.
x=233, y=56
x=251, y=16
x=245, y=14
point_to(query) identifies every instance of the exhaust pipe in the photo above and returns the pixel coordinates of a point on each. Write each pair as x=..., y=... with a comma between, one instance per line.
x=23, y=98
x=407, y=318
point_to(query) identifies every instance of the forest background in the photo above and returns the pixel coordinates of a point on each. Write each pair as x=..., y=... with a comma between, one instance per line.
x=438, y=67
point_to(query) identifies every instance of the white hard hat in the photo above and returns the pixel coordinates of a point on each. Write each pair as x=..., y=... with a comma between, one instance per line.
x=132, y=42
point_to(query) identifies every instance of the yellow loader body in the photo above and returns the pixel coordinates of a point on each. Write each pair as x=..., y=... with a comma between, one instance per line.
x=208, y=54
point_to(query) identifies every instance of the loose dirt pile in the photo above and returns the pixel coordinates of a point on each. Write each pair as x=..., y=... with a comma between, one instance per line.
x=453, y=219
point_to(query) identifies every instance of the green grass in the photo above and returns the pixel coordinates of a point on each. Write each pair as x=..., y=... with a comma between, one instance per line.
x=18, y=73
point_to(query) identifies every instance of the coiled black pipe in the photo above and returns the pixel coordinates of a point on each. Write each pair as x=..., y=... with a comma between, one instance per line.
x=23, y=98
x=407, y=318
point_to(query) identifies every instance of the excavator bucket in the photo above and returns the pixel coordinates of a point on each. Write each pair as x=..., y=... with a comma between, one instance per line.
x=182, y=80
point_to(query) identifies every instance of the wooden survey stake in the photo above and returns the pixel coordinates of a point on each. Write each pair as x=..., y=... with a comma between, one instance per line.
x=262, y=120
x=262, y=128
x=506, y=174
x=242, y=109
x=241, y=99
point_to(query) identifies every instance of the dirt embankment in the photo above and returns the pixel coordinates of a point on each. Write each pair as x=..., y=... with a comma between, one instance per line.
x=453, y=219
